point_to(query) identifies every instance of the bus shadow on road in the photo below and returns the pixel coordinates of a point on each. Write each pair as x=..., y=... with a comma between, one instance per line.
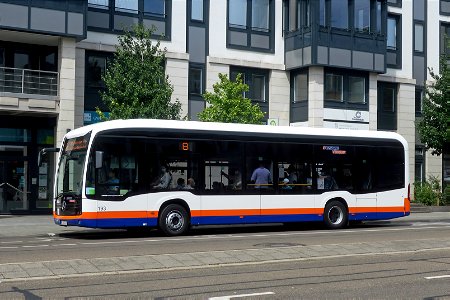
x=145, y=233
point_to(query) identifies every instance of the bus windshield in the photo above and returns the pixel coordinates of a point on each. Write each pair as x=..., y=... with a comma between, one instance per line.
x=71, y=164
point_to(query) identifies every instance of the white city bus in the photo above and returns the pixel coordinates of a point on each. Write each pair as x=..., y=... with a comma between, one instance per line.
x=110, y=175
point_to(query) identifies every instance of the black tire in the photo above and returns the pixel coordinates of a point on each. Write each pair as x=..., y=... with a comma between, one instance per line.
x=335, y=215
x=174, y=220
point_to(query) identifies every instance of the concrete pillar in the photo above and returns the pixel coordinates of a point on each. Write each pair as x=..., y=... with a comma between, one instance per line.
x=66, y=93
x=406, y=117
x=315, y=101
x=373, y=101
x=80, y=71
x=178, y=71
x=279, y=98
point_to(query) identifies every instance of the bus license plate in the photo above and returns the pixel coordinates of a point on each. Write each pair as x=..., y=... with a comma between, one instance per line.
x=64, y=223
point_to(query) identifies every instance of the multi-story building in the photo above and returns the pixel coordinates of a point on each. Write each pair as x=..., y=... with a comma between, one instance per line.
x=358, y=64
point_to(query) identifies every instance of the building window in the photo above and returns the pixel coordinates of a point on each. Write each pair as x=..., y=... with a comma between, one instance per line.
x=322, y=13
x=445, y=7
x=300, y=87
x=419, y=101
x=195, y=81
x=445, y=39
x=197, y=10
x=299, y=96
x=96, y=65
x=346, y=90
x=334, y=87
x=154, y=8
x=237, y=10
x=387, y=106
x=397, y=3
x=362, y=15
x=378, y=16
x=356, y=90
x=260, y=15
x=418, y=37
x=258, y=83
x=392, y=33
x=298, y=16
x=128, y=6
x=126, y=13
x=251, y=25
x=102, y=4
x=339, y=14
x=419, y=171
x=393, y=55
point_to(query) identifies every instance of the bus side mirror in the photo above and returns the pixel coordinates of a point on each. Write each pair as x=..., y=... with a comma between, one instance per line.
x=98, y=159
x=44, y=152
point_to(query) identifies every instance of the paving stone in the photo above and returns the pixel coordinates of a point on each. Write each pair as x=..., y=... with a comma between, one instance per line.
x=15, y=275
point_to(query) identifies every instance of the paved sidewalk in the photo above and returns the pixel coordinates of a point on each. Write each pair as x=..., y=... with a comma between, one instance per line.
x=26, y=225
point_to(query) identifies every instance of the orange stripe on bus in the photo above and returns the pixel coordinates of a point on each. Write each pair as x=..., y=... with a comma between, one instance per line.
x=407, y=205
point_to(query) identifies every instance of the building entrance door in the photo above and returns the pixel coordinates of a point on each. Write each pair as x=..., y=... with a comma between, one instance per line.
x=14, y=185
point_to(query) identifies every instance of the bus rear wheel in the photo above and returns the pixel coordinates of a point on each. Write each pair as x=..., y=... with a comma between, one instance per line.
x=174, y=220
x=335, y=215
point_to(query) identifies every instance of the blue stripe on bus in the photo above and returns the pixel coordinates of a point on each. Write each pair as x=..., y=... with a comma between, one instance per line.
x=224, y=220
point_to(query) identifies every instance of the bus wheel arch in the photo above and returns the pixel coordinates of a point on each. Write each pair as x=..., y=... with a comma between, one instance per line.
x=174, y=217
x=335, y=214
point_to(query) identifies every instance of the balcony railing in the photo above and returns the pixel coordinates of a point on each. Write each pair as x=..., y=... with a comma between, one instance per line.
x=24, y=81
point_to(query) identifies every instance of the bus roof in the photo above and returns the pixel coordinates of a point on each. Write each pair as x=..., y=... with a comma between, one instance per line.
x=259, y=130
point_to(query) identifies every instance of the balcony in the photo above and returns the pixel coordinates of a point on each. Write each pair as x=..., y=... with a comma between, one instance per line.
x=25, y=81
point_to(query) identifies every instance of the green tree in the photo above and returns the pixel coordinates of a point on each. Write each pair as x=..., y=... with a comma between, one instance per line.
x=136, y=86
x=434, y=128
x=227, y=103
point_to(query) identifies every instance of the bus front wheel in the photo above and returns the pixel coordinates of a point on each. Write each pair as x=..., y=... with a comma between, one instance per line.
x=335, y=215
x=174, y=220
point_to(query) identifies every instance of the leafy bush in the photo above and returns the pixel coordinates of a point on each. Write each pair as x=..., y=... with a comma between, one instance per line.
x=428, y=192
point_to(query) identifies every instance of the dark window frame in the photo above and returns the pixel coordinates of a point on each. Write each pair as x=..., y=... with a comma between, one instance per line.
x=444, y=13
x=424, y=38
x=202, y=68
x=351, y=28
x=140, y=15
x=92, y=90
x=386, y=115
x=301, y=105
x=248, y=30
x=397, y=4
x=247, y=75
x=190, y=19
x=418, y=100
x=398, y=50
x=345, y=103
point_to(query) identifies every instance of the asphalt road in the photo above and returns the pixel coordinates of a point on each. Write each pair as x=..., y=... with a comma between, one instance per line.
x=396, y=276
x=407, y=258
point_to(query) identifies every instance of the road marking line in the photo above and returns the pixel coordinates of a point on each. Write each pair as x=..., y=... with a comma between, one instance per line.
x=36, y=246
x=11, y=242
x=241, y=296
x=438, y=277
x=9, y=247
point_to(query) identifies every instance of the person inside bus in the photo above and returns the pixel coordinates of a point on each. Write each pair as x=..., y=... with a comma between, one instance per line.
x=285, y=184
x=234, y=179
x=292, y=174
x=112, y=179
x=180, y=184
x=190, y=184
x=164, y=180
x=261, y=177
